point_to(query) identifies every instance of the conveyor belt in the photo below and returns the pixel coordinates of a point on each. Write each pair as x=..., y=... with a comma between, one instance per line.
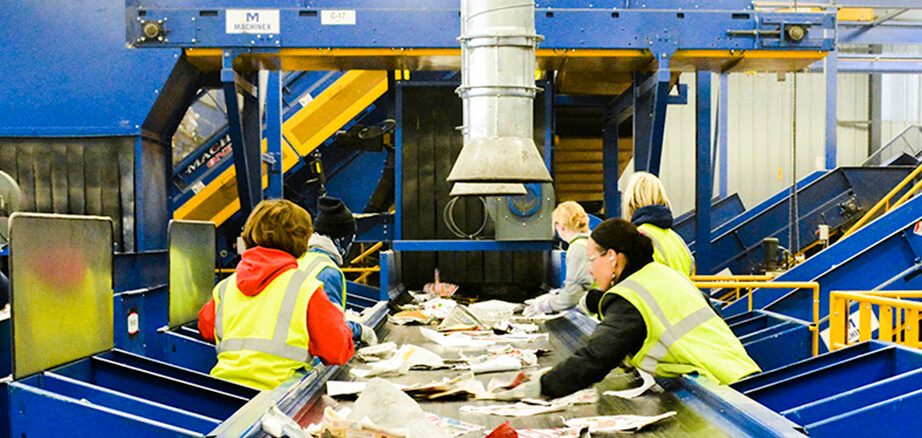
x=563, y=339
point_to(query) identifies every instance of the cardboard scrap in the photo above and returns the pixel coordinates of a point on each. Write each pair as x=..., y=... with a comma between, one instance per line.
x=615, y=423
x=410, y=317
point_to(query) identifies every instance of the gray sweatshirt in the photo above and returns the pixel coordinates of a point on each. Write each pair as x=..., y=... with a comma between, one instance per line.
x=578, y=280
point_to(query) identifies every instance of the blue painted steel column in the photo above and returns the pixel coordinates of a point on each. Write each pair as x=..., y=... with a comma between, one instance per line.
x=274, y=134
x=612, y=196
x=398, y=160
x=723, y=122
x=244, y=127
x=651, y=95
x=703, y=187
x=549, y=121
x=832, y=118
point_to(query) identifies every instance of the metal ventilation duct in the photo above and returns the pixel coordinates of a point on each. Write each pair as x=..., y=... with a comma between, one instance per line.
x=498, y=42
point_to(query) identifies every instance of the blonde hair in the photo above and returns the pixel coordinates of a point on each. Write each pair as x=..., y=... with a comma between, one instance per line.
x=643, y=190
x=572, y=216
x=278, y=224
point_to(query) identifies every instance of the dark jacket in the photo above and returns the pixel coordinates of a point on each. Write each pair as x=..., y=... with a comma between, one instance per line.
x=621, y=332
x=657, y=215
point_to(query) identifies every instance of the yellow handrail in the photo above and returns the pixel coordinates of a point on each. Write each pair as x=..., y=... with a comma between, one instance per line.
x=777, y=285
x=366, y=253
x=729, y=278
x=886, y=200
x=887, y=302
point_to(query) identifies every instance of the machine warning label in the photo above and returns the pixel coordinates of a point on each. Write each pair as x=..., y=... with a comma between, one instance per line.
x=918, y=228
x=261, y=21
x=337, y=18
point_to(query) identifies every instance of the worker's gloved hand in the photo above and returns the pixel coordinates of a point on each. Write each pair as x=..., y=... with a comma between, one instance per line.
x=553, y=292
x=542, y=304
x=369, y=337
x=531, y=389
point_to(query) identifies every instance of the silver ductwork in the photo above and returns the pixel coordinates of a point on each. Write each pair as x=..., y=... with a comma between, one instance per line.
x=498, y=41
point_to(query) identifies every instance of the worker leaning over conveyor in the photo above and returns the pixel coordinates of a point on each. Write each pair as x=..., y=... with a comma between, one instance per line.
x=653, y=318
x=327, y=249
x=572, y=225
x=272, y=319
x=647, y=206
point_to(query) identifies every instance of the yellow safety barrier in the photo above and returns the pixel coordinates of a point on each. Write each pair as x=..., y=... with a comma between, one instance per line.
x=721, y=279
x=738, y=285
x=885, y=202
x=899, y=319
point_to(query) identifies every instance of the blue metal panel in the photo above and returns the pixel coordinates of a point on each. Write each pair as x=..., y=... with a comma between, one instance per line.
x=374, y=227
x=854, y=400
x=86, y=420
x=703, y=183
x=825, y=382
x=722, y=210
x=889, y=417
x=822, y=202
x=138, y=270
x=189, y=351
x=781, y=348
x=151, y=309
x=472, y=245
x=772, y=377
x=879, y=254
x=161, y=389
x=360, y=296
x=126, y=404
x=63, y=52
x=174, y=372
x=436, y=26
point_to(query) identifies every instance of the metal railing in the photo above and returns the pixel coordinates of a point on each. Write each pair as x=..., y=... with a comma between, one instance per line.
x=734, y=294
x=885, y=202
x=365, y=271
x=898, y=318
x=749, y=285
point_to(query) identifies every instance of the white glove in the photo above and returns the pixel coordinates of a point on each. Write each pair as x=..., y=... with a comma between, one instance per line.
x=369, y=337
x=553, y=292
x=531, y=389
x=541, y=304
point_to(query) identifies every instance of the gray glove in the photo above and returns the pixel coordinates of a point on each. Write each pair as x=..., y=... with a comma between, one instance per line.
x=369, y=337
x=542, y=304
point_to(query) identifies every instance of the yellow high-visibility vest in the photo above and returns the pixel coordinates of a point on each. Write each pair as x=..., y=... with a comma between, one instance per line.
x=262, y=340
x=669, y=248
x=313, y=263
x=684, y=335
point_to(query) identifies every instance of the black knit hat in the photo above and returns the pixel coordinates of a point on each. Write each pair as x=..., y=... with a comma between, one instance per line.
x=334, y=219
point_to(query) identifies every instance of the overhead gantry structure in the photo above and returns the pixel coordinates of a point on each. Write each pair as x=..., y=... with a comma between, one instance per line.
x=633, y=50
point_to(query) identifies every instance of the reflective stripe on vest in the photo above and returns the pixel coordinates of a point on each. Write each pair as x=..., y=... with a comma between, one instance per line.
x=278, y=345
x=672, y=332
x=318, y=264
x=697, y=340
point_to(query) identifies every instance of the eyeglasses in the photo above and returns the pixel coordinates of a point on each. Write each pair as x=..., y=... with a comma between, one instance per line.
x=591, y=259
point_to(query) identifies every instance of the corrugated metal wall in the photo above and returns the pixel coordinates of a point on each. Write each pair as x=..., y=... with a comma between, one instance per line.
x=81, y=175
x=760, y=114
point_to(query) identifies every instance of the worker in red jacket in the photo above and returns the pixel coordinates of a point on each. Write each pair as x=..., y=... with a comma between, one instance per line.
x=270, y=319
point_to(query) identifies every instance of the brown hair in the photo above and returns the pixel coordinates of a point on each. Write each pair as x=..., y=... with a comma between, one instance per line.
x=278, y=224
x=572, y=216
